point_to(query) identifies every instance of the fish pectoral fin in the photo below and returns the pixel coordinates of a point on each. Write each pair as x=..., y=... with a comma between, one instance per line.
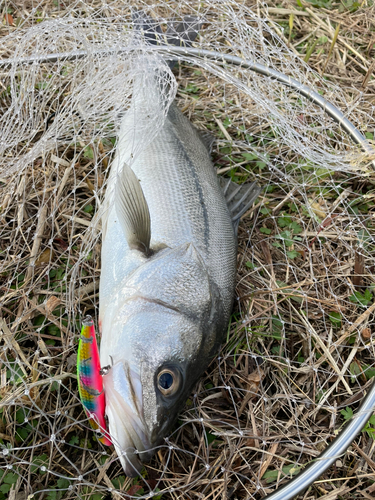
x=239, y=198
x=132, y=210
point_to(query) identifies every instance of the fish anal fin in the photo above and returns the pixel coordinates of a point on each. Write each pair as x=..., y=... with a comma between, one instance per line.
x=239, y=197
x=132, y=210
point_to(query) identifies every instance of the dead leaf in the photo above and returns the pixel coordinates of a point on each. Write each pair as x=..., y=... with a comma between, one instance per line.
x=134, y=489
x=152, y=483
x=366, y=334
x=63, y=244
x=8, y=18
x=254, y=380
x=317, y=209
x=52, y=304
x=45, y=257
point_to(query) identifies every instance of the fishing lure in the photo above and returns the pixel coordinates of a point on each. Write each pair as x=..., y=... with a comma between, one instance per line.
x=90, y=380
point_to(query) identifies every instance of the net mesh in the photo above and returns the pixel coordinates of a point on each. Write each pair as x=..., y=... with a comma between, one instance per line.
x=299, y=351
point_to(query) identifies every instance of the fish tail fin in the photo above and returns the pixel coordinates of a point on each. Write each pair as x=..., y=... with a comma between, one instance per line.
x=178, y=33
x=239, y=198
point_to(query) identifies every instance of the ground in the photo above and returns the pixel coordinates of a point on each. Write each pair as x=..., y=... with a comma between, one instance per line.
x=299, y=354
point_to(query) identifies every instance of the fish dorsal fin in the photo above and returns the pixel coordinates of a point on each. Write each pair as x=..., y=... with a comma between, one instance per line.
x=239, y=198
x=132, y=210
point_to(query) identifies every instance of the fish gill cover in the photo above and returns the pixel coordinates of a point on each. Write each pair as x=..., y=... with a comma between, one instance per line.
x=299, y=352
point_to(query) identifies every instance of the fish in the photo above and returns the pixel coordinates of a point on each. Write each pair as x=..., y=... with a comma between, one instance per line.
x=90, y=380
x=168, y=267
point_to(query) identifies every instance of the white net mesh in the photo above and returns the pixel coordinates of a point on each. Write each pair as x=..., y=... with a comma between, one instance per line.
x=299, y=349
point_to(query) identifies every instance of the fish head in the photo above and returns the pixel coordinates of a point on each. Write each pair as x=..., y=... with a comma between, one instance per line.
x=159, y=333
x=150, y=378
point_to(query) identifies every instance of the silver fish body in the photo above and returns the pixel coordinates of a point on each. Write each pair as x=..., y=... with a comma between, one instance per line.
x=163, y=310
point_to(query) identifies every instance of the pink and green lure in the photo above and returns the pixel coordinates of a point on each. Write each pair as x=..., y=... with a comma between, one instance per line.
x=90, y=380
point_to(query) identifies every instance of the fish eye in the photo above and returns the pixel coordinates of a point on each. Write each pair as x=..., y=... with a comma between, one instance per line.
x=168, y=381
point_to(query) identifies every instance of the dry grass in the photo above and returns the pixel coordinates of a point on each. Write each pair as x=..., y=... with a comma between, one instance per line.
x=298, y=346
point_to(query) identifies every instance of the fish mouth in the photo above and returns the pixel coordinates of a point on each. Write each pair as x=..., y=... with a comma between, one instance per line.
x=124, y=409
